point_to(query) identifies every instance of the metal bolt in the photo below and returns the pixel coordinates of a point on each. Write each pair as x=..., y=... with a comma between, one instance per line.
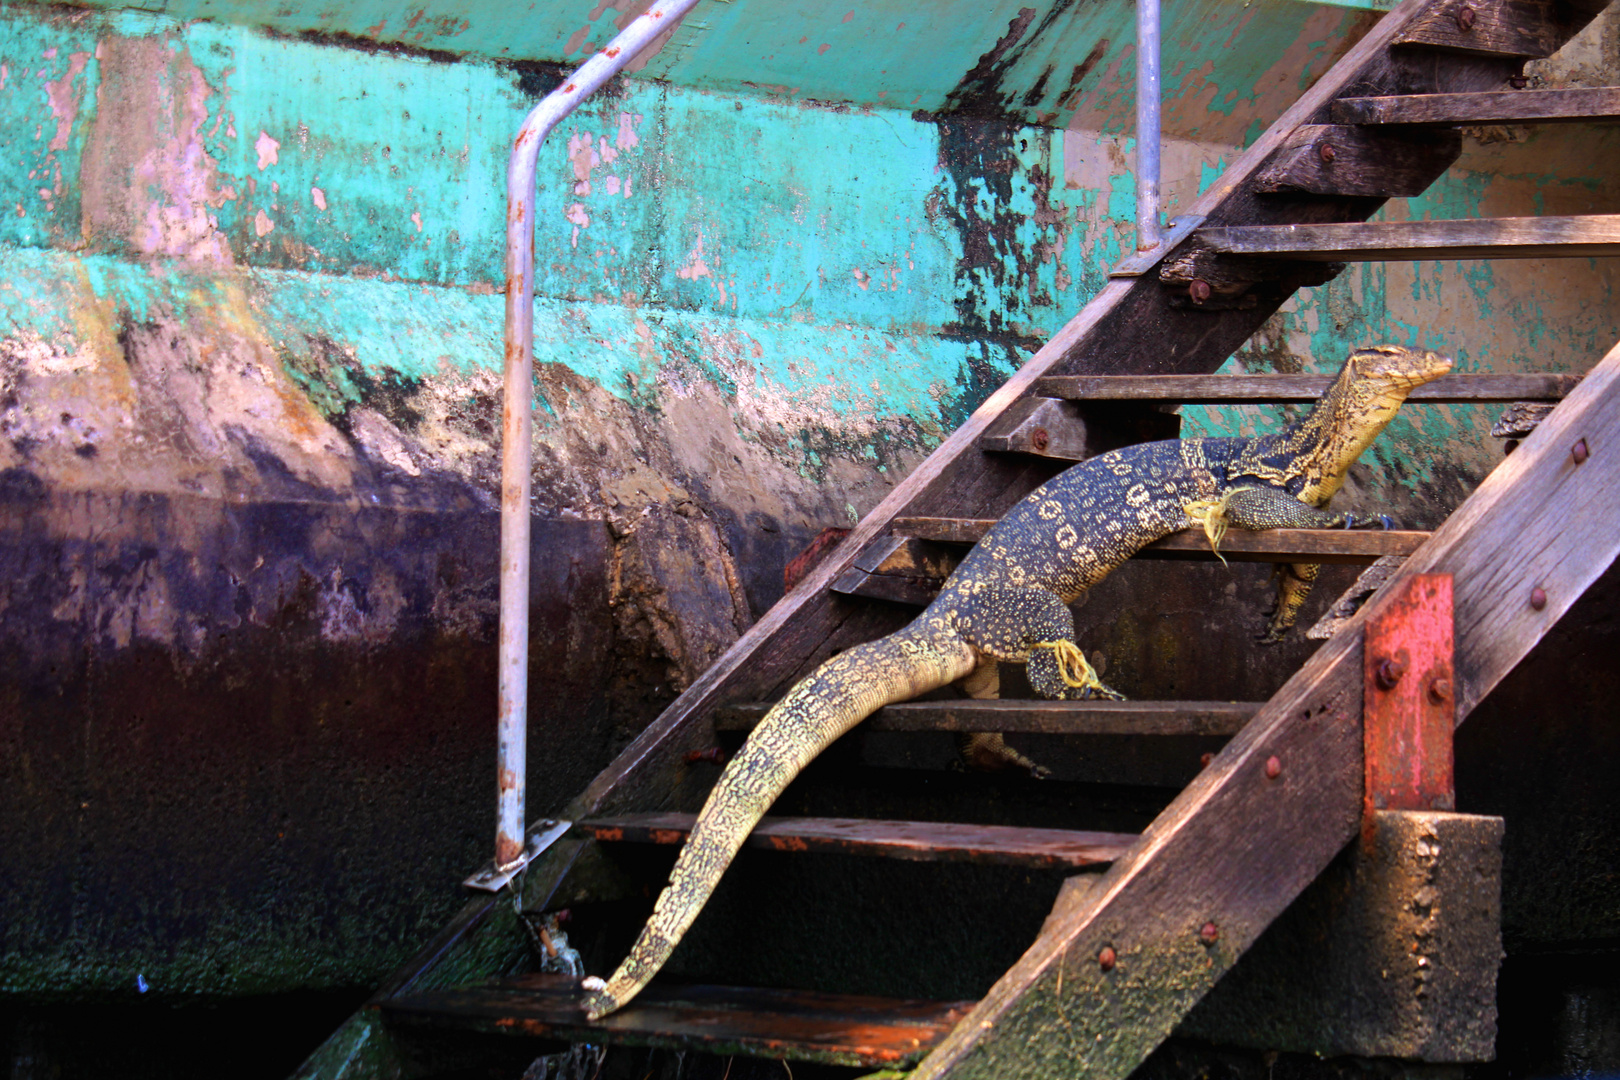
x=1388, y=673
x=1538, y=598
x=1199, y=290
x=1519, y=82
x=1465, y=18
x=1209, y=933
x=1579, y=452
x=1440, y=690
x=1273, y=767
x=1040, y=438
x=1327, y=153
x=1105, y=959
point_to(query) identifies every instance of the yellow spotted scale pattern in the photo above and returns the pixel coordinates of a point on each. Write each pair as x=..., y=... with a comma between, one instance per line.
x=1008, y=602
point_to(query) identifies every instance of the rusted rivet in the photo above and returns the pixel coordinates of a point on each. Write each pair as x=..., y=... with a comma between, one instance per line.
x=1440, y=690
x=1388, y=673
x=1199, y=290
x=1273, y=767
x=1327, y=153
x=1538, y=598
x=1040, y=439
x=1579, y=452
x=1105, y=959
x=1205, y=758
x=1519, y=82
x=1209, y=933
x=1465, y=18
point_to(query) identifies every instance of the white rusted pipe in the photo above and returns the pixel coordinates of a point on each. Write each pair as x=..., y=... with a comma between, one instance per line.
x=1147, y=124
x=517, y=401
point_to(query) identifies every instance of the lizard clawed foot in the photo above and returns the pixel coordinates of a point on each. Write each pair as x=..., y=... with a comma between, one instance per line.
x=987, y=751
x=598, y=1002
x=1383, y=521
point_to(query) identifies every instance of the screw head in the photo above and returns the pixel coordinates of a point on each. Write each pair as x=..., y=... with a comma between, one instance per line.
x=1327, y=153
x=1273, y=767
x=1440, y=690
x=1388, y=673
x=1209, y=933
x=1105, y=959
x=1579, y=452
x=1040, y=438
x=1465, y=18
x=1538, y=598
x=1199, y=290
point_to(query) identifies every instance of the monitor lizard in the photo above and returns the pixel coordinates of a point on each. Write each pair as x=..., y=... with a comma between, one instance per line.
x=1007, y=601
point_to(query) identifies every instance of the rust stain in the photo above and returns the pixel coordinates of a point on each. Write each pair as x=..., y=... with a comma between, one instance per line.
x=668, y=836
x=508, y=780
x=789, y=843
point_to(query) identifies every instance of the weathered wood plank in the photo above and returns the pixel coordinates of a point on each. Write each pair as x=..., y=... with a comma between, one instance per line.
x=802, y=1025
x=1296, y=389
x=1562, y=237
x=1527, y=28
x=1070, y=431
x=1492, y=107
x=1279, y=801
x=1035, y=716
x=921, y=841
x=1333, y=159
x=1273, y=545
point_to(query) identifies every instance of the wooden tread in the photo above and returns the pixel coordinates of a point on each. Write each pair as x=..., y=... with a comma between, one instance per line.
x=802, y=1025
x=1272, y=545
x=1561, y=237
x=1038, y=716
x=1498, y=107
x=1293, y=389
x=922, y=841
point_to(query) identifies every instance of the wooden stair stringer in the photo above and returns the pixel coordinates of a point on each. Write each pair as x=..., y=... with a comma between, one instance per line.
x=1129, y=327
x=1241, y=842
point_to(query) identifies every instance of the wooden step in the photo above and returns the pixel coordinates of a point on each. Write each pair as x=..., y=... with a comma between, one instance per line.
x=1565, y=237
x=1037, y=716
x=921, y=841
x=1294, y=389
x=1497, y=107
x=1505, y=28
x=1273, y=545
x=801, y=1025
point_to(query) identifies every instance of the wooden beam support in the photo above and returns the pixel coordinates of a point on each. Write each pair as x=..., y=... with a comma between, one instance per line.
x=1037, y=716
x=918, y=841
x=1106, y=982
x=1296, y=389
x=1335, y=159
x=1492, y=107
x=1409, y=705
x=1566, y=237
x=1527, y=28
x=1070, y=431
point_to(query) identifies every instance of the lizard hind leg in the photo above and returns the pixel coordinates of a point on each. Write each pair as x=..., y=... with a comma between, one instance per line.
x=987, y=751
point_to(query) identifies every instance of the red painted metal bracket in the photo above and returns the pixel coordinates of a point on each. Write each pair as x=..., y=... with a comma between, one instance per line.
x=1409, y=706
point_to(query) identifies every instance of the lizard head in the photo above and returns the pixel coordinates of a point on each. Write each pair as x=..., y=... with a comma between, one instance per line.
x=1364, y=398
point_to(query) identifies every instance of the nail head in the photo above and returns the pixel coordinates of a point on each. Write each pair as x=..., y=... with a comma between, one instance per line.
x=1105, y=959
x=1579, y=452
x=1040, y=438
x=1209, y=933
x=1273, y=767
x=1327, y=152
x=1538, y=598
x=1465, y=18
x=1199, y=290
x=1440, y=690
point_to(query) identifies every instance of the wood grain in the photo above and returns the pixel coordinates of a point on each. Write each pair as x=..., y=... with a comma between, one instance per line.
x=917, y=841
x=1036, y=716
x=1493, y=107
x=1335, y=159
x=1296, y=389
x=1273, y=545
x=1562, y=237
x=1243, y=839
x=802, y=1025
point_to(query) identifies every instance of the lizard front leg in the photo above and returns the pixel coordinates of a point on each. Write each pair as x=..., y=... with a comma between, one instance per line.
x=1034, y=625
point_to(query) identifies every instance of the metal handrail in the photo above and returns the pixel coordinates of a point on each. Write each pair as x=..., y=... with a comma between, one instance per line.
x=1148, y=232
x=517, y=401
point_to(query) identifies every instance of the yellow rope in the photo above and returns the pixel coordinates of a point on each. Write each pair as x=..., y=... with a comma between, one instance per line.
x=1069, y=660
x=1211, y=514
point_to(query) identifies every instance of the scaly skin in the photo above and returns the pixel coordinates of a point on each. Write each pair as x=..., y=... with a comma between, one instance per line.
x=1008, y=602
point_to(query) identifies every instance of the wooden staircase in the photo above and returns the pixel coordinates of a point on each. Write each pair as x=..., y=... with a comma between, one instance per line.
x=1116, y=965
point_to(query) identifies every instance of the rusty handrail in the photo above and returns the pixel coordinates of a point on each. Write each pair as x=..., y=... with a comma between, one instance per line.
x=517, y=398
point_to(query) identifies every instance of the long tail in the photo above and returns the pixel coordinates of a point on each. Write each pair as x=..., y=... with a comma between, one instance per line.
x=834, y=698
